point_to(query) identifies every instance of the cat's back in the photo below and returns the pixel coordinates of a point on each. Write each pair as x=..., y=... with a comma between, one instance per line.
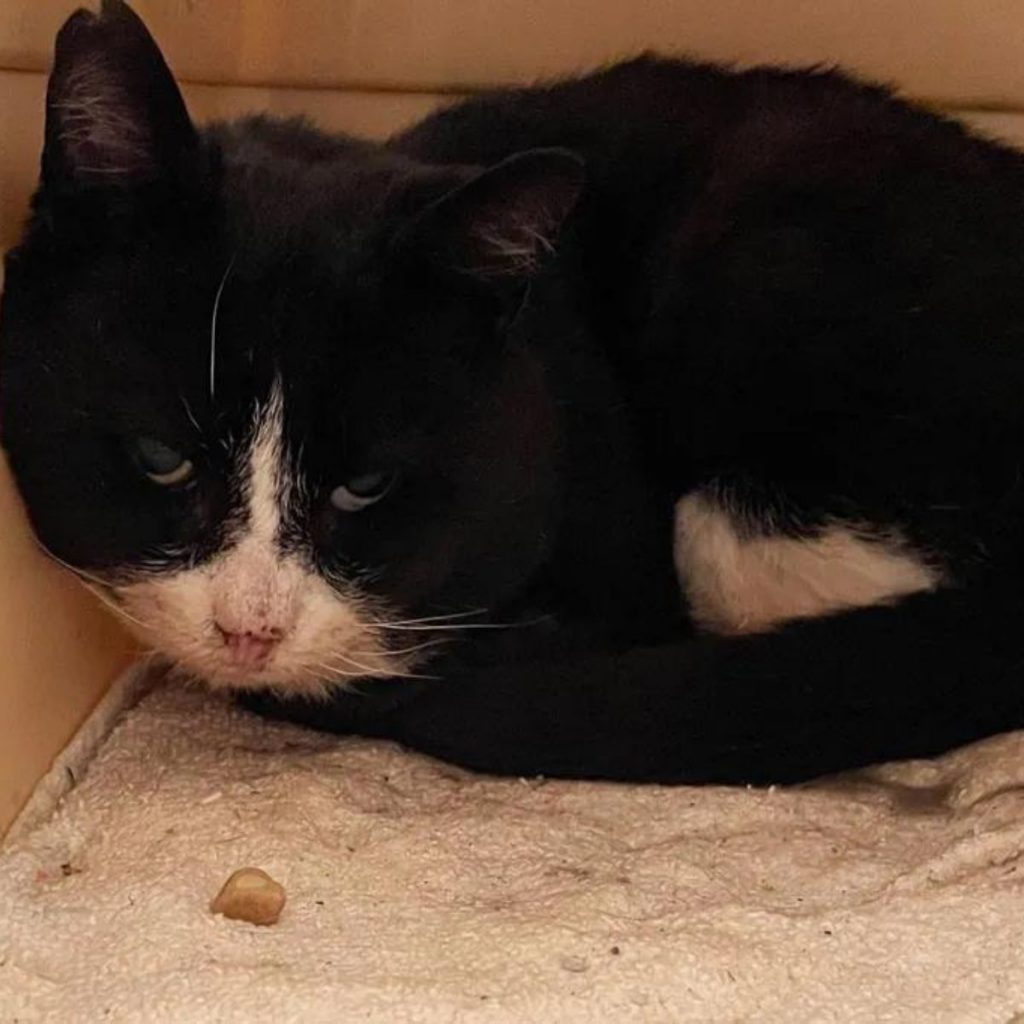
x=653, y=112
x=807, y=252
x=598, y=114
x=692, y=161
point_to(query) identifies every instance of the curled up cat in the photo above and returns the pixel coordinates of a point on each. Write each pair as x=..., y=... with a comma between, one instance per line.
x=663, y=424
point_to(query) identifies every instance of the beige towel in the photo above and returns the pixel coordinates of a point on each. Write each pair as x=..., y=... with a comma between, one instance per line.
x=417, y=892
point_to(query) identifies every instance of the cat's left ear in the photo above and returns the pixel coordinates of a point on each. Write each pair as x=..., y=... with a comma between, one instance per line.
x=504, y=221
x=114, y=116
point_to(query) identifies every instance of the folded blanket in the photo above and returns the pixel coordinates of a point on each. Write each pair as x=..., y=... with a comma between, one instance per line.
x=418, y=892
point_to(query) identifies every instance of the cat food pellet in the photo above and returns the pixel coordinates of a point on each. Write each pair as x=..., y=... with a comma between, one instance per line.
x=250, y=894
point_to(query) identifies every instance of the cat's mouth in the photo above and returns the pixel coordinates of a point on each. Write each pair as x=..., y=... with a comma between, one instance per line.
x=287, y=665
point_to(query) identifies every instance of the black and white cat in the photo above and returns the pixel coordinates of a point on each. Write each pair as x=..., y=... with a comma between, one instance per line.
x=664, y=424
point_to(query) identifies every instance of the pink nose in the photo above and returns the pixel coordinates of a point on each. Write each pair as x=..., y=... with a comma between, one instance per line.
x=249, y=648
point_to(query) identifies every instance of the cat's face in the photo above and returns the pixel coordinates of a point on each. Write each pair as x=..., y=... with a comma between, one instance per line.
x=259, y=386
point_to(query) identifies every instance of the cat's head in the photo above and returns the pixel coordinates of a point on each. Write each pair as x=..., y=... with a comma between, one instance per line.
x=269, y=390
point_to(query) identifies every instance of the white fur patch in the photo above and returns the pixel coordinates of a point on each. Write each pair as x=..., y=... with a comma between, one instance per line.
x=736, y=584
x=252, y=589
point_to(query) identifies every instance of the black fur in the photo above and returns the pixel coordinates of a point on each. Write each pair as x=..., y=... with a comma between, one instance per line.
x=786, y=286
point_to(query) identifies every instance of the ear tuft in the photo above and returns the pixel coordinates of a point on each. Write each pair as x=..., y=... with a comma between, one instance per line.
x=505, y=221
x=114, y=116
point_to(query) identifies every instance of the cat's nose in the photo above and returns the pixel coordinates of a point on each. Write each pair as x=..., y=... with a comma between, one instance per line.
x=252, y=647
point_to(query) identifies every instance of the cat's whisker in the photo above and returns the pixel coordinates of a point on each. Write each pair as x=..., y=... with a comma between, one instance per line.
x=191, y=416
x=213, y=327
x=460, y=626
x=407, y=656
x=377, y=673
x=110, y=603
x=337, y=671
x=405, y=650
x=97, y=587
x=368, y=669
x=334, y=670
x=339, y=662
x=81, y=573
x=438, y=618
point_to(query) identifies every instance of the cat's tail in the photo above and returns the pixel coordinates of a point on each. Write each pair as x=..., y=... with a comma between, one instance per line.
x=818, y=696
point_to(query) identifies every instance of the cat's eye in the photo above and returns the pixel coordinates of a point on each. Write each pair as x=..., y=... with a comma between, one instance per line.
x=361, y=491
x=161, y=463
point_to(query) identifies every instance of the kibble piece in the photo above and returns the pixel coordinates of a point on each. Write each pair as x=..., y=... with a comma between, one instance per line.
x=250, y=894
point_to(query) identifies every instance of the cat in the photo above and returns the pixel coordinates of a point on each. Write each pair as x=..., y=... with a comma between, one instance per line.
x=662, y=424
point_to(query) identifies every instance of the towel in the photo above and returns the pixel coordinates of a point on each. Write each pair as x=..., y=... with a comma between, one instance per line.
x=417, y=892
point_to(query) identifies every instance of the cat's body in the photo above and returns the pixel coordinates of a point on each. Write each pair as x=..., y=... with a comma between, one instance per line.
x=806, y=290
x=701, y=353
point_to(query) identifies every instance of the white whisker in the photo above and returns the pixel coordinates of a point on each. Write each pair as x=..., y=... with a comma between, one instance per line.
x=459, y=627
x=438, y=618
x=213, y=327
x=189, y=413
x=112, y=604
x=367, y=669
x=404, y=650
x=334, y=670
x=67, y=565
x=373, y=673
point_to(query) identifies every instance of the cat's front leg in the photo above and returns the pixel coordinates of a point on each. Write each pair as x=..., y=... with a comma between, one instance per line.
x=816, y=696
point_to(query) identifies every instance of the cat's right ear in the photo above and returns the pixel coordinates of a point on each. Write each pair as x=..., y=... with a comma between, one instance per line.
x=115, y=119
x=501, y=224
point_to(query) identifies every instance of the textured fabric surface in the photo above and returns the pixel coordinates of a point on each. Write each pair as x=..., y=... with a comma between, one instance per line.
x=417, y=892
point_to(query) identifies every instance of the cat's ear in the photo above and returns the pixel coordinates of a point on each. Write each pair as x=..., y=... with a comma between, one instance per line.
x=114, y=116
x=504, y=221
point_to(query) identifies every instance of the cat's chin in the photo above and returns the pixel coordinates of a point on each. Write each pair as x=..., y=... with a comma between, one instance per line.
x=308, y=689
x=266, y=682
